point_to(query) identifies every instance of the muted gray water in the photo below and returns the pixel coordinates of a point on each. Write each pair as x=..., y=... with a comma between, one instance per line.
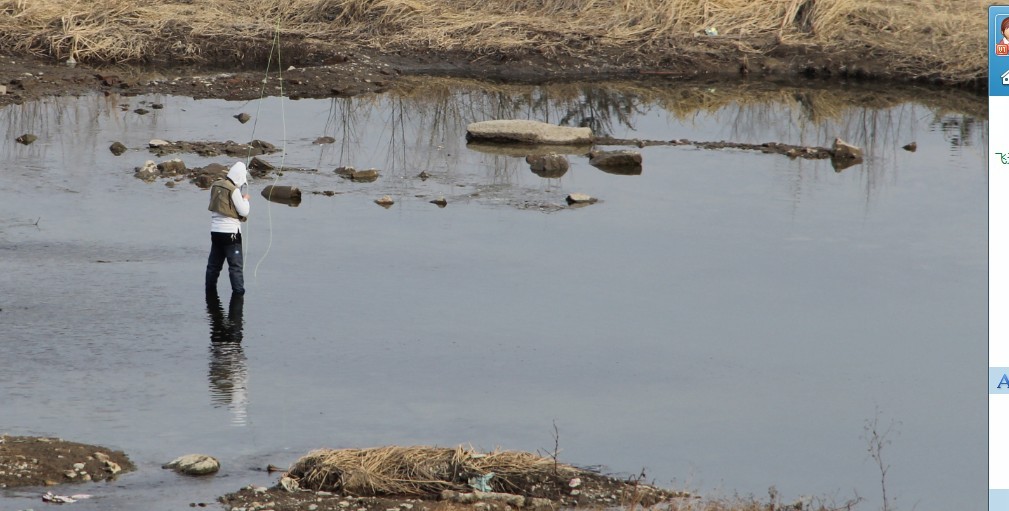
x=727, y=320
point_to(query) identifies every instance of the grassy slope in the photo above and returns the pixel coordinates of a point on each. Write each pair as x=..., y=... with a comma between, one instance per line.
x=942, y=39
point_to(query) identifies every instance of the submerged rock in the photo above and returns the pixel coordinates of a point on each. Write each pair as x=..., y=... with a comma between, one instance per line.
x=324, y=140
x=526, y=132
x=290, y=195
x=243, y=117
x=194, y=465
x=548, y=166
x=616, y=162
x=117, y=148
x=362, y=176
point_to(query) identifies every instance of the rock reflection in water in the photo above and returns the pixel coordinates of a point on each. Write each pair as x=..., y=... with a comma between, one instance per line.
x=228, y=373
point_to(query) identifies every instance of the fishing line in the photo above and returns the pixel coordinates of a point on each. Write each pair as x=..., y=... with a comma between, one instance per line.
x=283, y=145
x=259, y=108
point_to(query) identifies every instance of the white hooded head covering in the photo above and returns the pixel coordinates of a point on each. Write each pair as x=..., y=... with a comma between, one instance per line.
x=238, y=174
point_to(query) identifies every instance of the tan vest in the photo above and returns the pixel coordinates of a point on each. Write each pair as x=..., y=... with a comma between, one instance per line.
x=220, y=199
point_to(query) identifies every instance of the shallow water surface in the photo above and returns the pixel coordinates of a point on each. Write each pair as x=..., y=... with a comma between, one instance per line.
x=727, y=321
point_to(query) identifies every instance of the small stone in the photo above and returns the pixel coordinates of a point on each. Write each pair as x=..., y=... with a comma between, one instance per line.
x=289, y=484
x=423, y=175
x=173, y=167
x=71, y=474
x=912, y=147
x=78, y=466
x=157, y=142
x=117, y=149
x=26, y=139
x=842, y=149
x=324, y=140
x=141, y=111
x=548, y=166
x=157, y=106
x=580, y=198
x=844, y=155
x=615, y=159
x=243, y=117
x=85, y=476
x=385, y=201
x=111, y=466
x=344, y=503
x=313, y=507
x=440, y=202
x=194, y=464
x=360, y=176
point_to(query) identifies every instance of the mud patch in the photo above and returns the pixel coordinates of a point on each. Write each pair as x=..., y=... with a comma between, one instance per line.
x=582, y=489
x=34, y=461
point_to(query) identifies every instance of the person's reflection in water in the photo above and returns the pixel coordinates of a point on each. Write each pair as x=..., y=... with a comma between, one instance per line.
x=228, y=372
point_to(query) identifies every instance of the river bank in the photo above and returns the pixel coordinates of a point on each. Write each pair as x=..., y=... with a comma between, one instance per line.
x=318, y=48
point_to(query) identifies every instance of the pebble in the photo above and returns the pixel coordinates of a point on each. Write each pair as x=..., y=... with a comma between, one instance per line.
x=313, y=507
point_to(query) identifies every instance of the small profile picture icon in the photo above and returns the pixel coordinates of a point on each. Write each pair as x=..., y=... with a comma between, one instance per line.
x=1002, y=39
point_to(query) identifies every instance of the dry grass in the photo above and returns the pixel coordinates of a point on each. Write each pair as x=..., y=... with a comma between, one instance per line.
x=418, y=471
x=919, y=38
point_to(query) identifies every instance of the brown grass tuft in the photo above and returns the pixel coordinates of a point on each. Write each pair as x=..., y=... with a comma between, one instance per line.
x=418, y=471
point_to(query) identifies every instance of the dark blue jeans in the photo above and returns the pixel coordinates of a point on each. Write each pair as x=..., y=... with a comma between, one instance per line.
x=225, y=246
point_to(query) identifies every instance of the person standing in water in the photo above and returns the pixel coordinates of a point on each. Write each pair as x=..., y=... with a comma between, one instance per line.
x=229, y=207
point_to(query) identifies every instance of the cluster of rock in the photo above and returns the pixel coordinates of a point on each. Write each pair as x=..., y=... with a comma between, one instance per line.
x=211, y=149
x=546, y=148
x=79, y=471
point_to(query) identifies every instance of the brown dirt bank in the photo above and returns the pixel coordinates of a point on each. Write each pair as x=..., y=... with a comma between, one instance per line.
x=362, y=70
x=353, y=46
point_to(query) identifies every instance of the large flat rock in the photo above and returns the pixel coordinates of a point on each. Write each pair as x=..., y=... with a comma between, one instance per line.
x=526, y=132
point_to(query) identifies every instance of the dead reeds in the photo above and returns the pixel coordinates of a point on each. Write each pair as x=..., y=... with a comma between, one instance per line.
x=421, y=471
x=918, y=38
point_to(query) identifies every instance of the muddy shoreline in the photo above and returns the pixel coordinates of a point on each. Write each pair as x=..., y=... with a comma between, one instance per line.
x=326, y=71
x=62, y=471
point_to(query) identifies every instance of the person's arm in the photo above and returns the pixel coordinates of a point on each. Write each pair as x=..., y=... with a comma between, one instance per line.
x=241, y=203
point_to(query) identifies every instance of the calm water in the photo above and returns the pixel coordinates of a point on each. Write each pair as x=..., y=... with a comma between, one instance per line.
x=727, y=320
